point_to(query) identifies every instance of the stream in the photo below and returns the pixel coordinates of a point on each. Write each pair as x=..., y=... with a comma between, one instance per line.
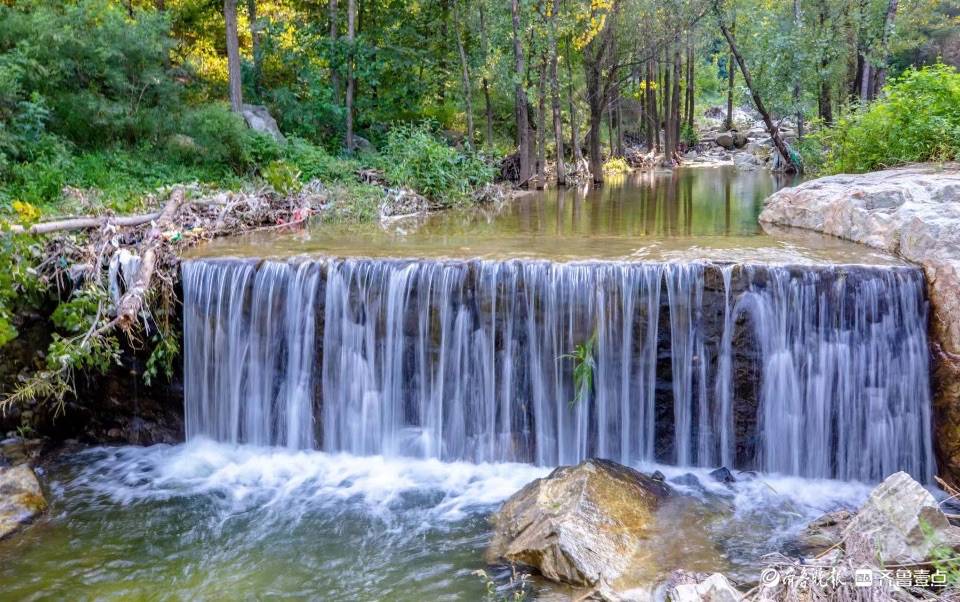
x=359, y=399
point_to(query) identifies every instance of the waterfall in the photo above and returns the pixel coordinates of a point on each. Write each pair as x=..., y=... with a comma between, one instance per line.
x=471, y=360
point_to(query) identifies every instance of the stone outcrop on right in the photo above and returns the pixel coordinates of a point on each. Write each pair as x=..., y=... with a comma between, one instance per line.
x=913, y=211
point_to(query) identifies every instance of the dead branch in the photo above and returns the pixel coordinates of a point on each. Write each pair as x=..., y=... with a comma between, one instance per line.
x=83, y=223
x=132, y=300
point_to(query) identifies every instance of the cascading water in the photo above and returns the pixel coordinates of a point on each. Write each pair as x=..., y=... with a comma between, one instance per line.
x=469, y=360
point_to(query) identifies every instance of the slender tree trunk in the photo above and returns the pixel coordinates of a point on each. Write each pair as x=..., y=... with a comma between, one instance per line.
x=675, y=99
x=620, y=142
x=691, y=82
x=881, y=75
x=574, y=123
x=233, y=56
x=485, y=83
x=653, y=115
x=467, y=87
x=542, y=124
x=351, y=81
x=520, y=100
x=667, y=103
x=334, y=72
x=824, y=94
x=255, y=41
x=798, y=72
x=731, y=77
x=757, y=101
x=555, y=95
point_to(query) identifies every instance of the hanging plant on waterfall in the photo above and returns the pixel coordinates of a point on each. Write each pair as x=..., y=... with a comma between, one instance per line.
x=584, y=364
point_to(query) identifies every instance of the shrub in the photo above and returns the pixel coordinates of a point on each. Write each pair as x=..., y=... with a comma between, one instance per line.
x=220, y=136
x=414, y=157
x=916, y=119
x=616, y=165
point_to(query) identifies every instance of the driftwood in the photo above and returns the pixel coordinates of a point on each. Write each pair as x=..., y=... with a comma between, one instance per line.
x=132, y=301
x=84, y=223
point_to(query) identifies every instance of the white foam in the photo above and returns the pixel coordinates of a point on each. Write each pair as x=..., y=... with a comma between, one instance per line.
x=242, y=476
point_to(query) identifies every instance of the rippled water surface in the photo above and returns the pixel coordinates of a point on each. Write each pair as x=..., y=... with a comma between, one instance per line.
x=211, y=521
x=694, y=213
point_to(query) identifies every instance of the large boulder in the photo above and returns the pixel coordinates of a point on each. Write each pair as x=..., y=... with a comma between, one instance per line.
x=21, y=498
x=913, y=211
x=580, y=525
x=726, y=140
x=900, y=524
x=259, y=119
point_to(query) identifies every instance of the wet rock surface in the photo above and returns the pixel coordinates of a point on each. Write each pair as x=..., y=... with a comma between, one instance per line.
x=581, y=525
x=913, y=211
x=21, y=498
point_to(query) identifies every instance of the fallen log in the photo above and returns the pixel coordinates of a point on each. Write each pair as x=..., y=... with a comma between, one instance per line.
x=132, y=301
x=83, y=223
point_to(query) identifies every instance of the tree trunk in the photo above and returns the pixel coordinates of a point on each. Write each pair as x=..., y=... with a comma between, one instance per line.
x=675, y=99
x=467, y=88
x=798, y=72
x=757, y=101
x=351, y=82
x=574, y=123
x=653, y=117
x=255, y=41
x=667, y=103
x=620, y=142
x=881, y=75
x=691, y=83
x=520, y=97
x=542, y=124
x=555, y=96
x=824, y=94
x=233, y=56
x=488, y=107
x=334, y=73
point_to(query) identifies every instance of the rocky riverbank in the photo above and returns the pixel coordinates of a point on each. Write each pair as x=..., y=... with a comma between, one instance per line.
x=912, y=211
x=600, y=530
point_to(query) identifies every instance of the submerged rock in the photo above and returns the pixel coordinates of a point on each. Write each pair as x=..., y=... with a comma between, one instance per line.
x=21, y=498
x=715, y=588
x=900, y=523
x=723, y=475
x=913, y=211
x=580, y=525
x=823, y=533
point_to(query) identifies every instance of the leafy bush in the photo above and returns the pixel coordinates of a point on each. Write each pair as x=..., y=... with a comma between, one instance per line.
x=315, y=163
x=616, y=165
x=916, y=119
x=86, y=70
x=414, y=157
x=219, y=136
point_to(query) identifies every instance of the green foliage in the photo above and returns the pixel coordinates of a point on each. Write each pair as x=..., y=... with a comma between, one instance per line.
x=88, y=71
x=219, y=136
x=688, y=135
x=916, y=119
x=282, y=177
x=616, y=165
x=584, y=364
x=414, y=157
x=162, y=360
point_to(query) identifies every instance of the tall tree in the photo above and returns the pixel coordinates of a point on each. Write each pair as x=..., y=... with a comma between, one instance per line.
x=888, y=20
x=555, y=93
x=334, y=72
x=465, y=76
x=234, y=75
x=351, y=80
x=773, y=130
x=520, y=96
x=257, y=74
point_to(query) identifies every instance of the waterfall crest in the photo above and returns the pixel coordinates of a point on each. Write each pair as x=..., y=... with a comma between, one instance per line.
x=811, y=371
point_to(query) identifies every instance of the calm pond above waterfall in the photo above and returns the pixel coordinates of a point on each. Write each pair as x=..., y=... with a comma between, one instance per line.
x=354, y=418
x=693, y=213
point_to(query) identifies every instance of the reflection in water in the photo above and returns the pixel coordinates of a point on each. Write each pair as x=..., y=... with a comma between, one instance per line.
x=655, y=215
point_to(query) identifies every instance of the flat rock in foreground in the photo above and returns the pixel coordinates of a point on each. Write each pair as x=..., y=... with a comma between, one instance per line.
x=21, y=498
x=580, y=525
x=912, y=211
